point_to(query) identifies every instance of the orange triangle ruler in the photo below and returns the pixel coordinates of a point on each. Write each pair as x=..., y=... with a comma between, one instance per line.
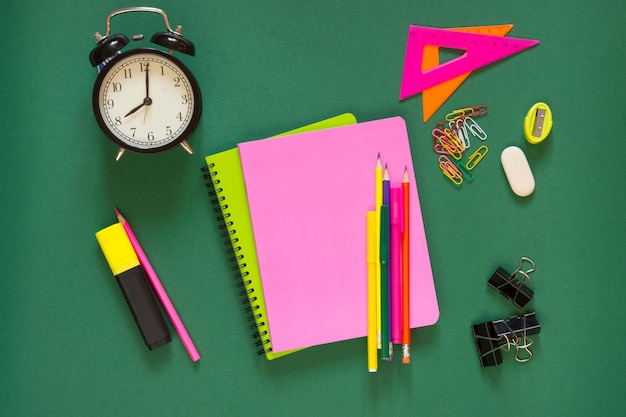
x=434, y=97
x=481, y=49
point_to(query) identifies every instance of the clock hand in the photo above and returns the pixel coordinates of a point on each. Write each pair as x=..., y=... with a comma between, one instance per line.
x=146, y=102
x=135, y=109
x=147, y=81
x=145, y=113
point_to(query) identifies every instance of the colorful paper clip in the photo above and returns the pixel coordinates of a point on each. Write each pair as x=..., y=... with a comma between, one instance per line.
x=450, y=170
x=466, y=173
x=437, y=143
x=437, y=132
x=476, y=157
x=448, y=144
x=478, y=111
x=466, y=112
x=457, y=126
x=458, y=113
x=451, y=149
x=452, y=141
x=441, y=149
x=474, y=128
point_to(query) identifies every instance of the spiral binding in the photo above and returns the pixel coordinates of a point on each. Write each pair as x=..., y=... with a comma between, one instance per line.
x=231, y=242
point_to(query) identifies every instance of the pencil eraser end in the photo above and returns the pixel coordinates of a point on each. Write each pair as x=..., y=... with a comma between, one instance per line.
x=373, y=370
x=517, y=171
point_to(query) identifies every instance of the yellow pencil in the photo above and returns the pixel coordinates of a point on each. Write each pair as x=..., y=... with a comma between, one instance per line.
x=372, y=256
x=378, y=183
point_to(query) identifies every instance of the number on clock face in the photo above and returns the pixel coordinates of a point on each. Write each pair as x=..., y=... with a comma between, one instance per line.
x=146, y=100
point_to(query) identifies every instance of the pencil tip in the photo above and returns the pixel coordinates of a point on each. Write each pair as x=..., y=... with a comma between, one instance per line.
x=406, y=175
x=119, y=216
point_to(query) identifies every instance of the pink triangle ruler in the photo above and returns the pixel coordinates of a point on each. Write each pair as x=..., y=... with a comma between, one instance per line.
x=480, y=50
x=434, y=97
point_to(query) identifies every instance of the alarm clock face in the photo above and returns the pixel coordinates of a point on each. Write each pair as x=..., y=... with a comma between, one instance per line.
x=146, y=100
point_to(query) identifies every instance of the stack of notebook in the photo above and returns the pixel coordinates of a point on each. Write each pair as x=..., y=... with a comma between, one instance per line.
x=293, y=207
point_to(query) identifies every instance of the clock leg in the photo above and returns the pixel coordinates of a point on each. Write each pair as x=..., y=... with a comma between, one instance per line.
x=120, y=152
x=186, y=147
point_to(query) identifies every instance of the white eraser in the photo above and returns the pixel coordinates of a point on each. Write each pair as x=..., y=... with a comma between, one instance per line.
x=517, y=171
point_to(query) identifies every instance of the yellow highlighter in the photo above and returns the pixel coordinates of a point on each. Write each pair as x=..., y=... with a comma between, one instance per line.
x=131, y=278
x=372, y=258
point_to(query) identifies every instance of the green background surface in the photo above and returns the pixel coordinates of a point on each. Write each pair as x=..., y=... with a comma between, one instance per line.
x=70, y=347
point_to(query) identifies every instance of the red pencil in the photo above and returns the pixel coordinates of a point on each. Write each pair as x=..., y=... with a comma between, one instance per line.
x=406, y=325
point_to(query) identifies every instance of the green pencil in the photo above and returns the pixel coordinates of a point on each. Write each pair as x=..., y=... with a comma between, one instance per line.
x=384, y=281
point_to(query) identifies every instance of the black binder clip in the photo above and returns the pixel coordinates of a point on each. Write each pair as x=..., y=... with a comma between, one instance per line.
x=488, y=344
x=494, y=336
x=512, y=286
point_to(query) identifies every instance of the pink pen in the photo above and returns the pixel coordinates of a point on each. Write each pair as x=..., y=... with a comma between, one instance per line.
x=156, y=283
x=395, y=215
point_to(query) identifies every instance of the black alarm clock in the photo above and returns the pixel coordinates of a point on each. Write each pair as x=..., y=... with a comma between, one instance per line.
x=144, y=99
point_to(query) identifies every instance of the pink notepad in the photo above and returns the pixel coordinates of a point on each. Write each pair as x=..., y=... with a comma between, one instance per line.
x=308, y=196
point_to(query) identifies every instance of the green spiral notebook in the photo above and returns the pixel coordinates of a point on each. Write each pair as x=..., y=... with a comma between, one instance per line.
x=227, y=186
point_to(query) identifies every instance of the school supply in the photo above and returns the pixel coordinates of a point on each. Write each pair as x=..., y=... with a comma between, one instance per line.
x=394, y=256
x=451, y=143
x=160, y=291
x=385, y=257
x=481, y=50
x=513, y=286
x=372, y=260
x=476, y=157
x=406, y=301
x=537, y=123
x=517, y=171
x=492, y=337
x=387, y=345
x=378, y=180
x=396, y=216
x=227, y=189
x=306, y=193
x=434, y=97
x=131, y=278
